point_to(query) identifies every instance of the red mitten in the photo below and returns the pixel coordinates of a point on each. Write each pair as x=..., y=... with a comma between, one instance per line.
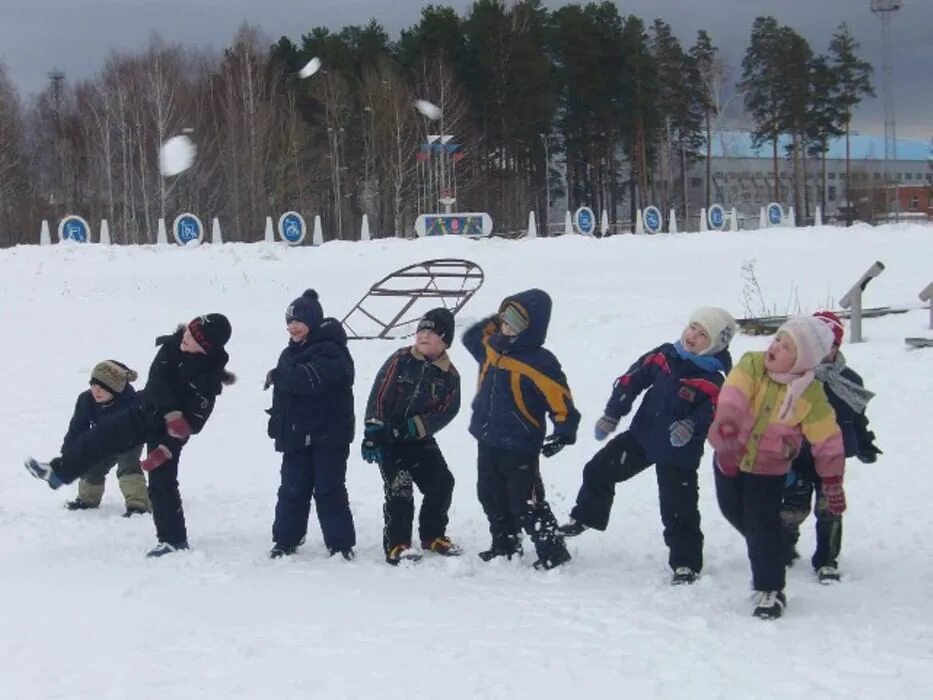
x=728, y=449
x=156, y=458
x=177, y=426
x=835, y=495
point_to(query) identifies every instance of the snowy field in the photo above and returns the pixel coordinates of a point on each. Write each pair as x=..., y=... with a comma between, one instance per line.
x=86, y=616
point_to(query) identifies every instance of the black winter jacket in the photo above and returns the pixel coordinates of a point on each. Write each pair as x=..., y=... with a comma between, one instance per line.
x=89, y=413
x=312, y=400
x=410, y=386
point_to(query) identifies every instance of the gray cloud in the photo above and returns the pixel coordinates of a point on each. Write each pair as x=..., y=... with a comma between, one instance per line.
x=77, y=35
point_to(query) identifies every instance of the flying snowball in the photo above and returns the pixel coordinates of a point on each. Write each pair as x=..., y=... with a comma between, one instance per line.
x=428, y=109
x=176, y=155
x=311, y=67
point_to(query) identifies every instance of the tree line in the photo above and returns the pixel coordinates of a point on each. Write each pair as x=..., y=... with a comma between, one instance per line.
x=579, y=102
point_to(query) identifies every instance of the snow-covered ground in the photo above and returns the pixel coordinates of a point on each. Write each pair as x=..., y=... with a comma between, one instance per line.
x=86, y=616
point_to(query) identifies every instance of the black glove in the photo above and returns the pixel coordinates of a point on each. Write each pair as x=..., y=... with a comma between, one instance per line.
x=868, y=454
x=270, y=379
x=553, y=444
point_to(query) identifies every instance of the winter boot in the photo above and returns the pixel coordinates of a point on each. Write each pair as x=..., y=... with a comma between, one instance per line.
x=683, y=575
x=78, y=504
x=507, y=546
x=134, y=510
x=828, y=575
x=572, y=528
x=135, y=494
x=443, y=546
x=163, y=548
x=44, y=471
x=402, y=553
x=557, y=555
x=347, y=553
x=769, y=605
x=279, y=551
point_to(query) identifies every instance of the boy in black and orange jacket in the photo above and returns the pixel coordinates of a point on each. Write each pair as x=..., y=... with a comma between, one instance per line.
x=519, y=383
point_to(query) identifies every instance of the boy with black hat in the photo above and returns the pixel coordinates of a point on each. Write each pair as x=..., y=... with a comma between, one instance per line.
x=682, y=381
x=414, y=396
x=110, y=393
x=312, y=421
x=185, y=378
x=520, y=382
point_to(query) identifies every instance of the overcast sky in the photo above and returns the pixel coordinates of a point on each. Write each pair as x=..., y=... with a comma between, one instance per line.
x=77, y=35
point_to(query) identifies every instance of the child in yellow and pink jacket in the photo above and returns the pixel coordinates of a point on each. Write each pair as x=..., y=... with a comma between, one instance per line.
x=769, y=403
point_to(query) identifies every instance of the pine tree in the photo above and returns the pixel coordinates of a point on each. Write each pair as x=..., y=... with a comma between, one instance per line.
x=853, y=82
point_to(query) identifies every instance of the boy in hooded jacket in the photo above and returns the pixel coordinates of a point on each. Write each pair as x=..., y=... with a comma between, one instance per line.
x=311, y=422
x=682, y=380
x=848, y=397
x=185, y=378
x=520, y=382
x=415, y=395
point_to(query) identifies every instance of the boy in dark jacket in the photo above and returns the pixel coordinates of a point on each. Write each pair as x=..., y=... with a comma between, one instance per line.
x=110, y=393
x=311, y=421
x=682, y=380
x=415, y=395
x=519, y=382
x=848, y=397
x=185, y=378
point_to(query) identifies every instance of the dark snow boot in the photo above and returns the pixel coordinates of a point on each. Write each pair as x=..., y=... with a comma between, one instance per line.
x=507, y=546
x=572, y=528
x=44, y=471
x=684, y=575
x=163, y=548
x=828, y=575
x=347, y=553
x=78, y=504
x=279, y=551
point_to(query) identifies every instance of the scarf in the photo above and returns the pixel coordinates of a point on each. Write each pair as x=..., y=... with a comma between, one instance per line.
x=704, y=362
x=796, y=385
x=853, y=395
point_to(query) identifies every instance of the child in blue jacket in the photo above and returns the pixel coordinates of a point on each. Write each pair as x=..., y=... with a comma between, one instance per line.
x=682, y=380
x=519, y=383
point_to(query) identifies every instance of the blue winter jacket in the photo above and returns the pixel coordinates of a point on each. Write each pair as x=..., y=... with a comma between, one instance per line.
x=678, y=389
x=519, y=381
x=312, y=402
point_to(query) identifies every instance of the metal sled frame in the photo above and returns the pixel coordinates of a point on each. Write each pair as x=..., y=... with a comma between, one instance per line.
x=452, y=281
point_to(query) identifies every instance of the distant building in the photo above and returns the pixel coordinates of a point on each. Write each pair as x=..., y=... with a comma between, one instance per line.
x=743, y=177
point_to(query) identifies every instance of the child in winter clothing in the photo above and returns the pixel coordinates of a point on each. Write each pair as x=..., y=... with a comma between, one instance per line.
x=110, y=394
x=185, y=378
x=519, y=382
x=848, y=397
x=769, y=403
x=682, y=381
x=311, y=421
x=415, y=395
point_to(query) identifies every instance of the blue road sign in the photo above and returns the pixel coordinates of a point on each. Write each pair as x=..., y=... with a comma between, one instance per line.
x=292, y=227
x=74, y=228
x=653, y=220
x=188, y=229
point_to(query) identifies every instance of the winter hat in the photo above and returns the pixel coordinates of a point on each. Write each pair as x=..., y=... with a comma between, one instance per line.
x=112, y=376
x=513, y=314
x=211, y=331
x=834, y=323
x=720, y=325
x=306, y=309
x=813, y=338
x=441, y=321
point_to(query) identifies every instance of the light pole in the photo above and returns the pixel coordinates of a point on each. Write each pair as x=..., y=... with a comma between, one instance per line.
x=884, y=9
x=547, y=183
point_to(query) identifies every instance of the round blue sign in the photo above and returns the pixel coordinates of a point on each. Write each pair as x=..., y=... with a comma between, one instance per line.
x=717, y=217
x=292, y=228
x=74, y=228
x=188, y=229
x=653, y=219
x=585, y=221
x=775, y=214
